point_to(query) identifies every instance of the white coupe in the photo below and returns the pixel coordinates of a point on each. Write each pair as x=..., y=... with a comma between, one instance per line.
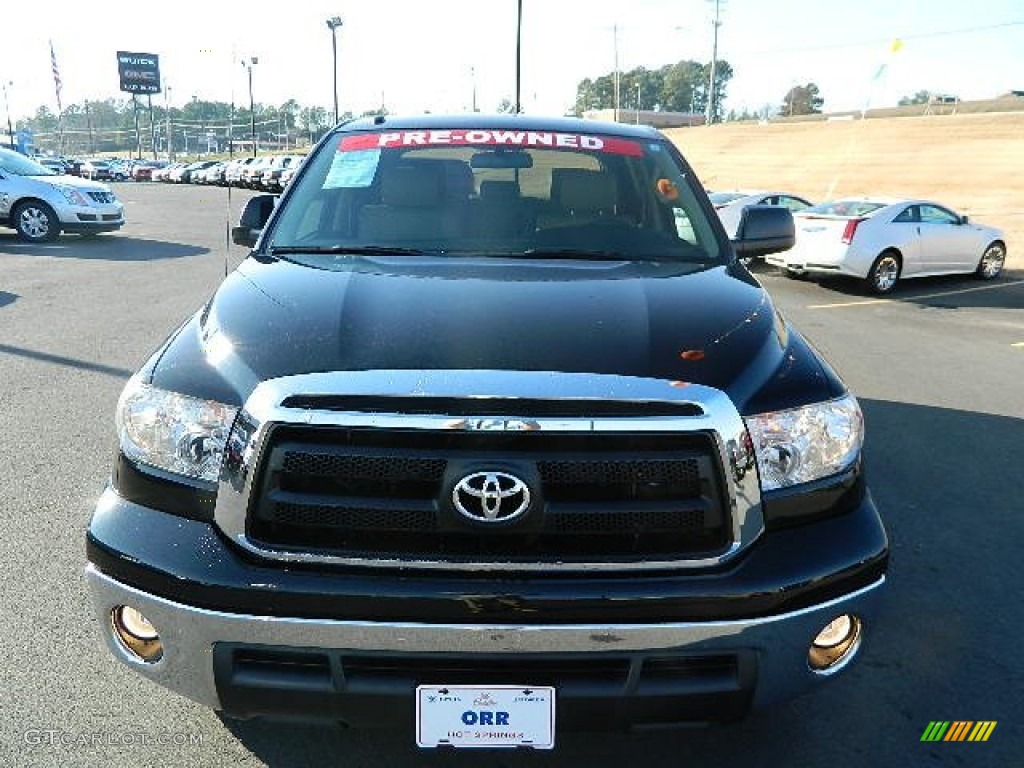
x=882, y=240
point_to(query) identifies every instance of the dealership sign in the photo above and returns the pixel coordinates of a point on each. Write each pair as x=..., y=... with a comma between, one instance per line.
x=140, y=72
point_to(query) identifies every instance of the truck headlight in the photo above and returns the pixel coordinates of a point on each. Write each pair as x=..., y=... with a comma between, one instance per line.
x=807, y=443
x=177, y=433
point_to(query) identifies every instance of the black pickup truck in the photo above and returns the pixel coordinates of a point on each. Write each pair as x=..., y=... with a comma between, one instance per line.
x=491, y=435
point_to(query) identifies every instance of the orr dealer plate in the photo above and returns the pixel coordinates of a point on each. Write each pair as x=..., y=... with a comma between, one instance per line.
x=485, y=716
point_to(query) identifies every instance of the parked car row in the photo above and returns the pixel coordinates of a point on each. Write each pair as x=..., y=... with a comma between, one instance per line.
x=100, y=168
x=270, y=173
x=879, y=240
x=64, y=166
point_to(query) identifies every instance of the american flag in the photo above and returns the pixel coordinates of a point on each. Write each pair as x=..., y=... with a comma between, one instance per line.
x=56, y=76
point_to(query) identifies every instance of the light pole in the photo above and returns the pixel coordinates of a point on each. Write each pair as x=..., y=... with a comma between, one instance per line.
x=195, y=109
x=7, y=104
x=711, y=110
x=252, y=107
x=519, y=53
x=168, y=138
x=615, y=80
x=332, y=24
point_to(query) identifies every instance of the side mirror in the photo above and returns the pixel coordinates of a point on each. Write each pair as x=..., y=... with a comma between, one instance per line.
x=254, y=218
x=764, y=229
x=964, y=219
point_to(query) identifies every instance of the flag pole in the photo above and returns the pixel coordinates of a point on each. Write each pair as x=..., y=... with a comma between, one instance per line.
x=60, y=109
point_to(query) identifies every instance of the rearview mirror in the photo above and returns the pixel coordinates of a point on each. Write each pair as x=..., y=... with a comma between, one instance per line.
x=764, y=229
x=254, y=217
x=501, y=159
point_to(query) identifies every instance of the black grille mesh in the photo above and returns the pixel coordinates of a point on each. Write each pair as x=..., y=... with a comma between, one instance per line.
x=669, y=521
x=370, y=494
x=384, y=468
x=353, y=517
x=679, y=472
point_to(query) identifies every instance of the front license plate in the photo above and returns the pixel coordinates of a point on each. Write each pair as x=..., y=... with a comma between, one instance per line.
x=485, y=716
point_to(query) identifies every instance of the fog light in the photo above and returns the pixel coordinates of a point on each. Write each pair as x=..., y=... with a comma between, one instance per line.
x=835, y=644
x=136, y=633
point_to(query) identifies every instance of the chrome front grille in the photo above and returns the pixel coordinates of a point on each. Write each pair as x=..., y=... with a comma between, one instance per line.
x=100, y=196
x=358, y=469
x=386, y=494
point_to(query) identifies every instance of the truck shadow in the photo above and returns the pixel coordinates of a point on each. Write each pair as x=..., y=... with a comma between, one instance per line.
x=109, y=247
x=949, y=487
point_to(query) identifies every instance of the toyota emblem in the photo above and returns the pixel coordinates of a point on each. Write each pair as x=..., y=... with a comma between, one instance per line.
x=491, y=497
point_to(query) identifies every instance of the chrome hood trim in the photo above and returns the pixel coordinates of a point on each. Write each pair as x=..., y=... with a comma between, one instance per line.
x=714, y=413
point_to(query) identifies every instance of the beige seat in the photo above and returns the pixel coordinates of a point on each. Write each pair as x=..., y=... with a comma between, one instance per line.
x=412, y=207
x=579, y=196
x=498, y=211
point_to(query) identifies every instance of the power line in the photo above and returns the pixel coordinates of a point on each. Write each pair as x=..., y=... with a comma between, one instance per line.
x=879, y=41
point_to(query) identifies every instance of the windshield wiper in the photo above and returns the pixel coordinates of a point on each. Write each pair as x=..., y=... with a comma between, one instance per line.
x=589, y=255
x=355, y=250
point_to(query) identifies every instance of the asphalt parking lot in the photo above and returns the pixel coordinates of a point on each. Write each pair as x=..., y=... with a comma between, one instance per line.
x=938, y=369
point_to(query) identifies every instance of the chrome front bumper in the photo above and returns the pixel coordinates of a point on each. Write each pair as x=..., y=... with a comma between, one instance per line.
x=190, y=634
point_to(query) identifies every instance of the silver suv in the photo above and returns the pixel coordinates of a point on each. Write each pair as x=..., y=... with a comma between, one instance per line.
x=40, y=204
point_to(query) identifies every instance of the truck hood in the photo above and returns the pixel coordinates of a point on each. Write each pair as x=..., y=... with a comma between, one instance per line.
x=679, y=322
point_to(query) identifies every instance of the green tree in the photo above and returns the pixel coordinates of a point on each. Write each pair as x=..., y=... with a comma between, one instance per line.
x=681, y=83
x=921, y=97
x=723, y=74
x=314, y=121
x=679, y=87
x=802, y=100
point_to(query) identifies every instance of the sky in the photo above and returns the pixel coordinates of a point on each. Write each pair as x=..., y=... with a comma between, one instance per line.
x=433, y=55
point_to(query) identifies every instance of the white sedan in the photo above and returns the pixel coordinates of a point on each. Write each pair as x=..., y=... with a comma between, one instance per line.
x=729, y=205
x=882, y=239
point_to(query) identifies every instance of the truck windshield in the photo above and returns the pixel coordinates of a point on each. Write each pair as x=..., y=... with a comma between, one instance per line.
x=532, y=194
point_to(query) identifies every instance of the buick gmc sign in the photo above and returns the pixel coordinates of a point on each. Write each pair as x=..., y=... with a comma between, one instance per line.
x=139, y=72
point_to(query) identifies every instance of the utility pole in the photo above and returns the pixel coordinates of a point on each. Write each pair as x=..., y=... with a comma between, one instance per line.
x=519, y=54
x=7, y=104
x=710, y=118
x=253, y=60
x=615, y=79
x=167, y=128
x=332, y=24
x=88, y=125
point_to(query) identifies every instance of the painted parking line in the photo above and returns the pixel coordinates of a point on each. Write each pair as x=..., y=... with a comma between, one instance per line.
x=1018, y=344
x=870, y=302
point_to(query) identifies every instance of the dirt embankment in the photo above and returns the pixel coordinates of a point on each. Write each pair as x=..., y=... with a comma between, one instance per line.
x=973, y=163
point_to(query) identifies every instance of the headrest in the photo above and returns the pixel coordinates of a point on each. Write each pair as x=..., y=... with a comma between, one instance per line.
x=458, y=179
x=417, y=185
x=495, y=190
x=576, y=189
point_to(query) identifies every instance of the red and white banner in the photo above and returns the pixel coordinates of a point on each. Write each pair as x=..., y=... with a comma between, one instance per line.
x=490, y=138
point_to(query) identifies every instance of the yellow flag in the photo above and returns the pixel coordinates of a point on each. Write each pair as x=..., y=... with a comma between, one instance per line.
x=897, y=45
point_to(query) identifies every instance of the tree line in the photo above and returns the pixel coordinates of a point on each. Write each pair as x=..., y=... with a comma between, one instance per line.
x=684, y=87
x=195, y=127
x=679, y=87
